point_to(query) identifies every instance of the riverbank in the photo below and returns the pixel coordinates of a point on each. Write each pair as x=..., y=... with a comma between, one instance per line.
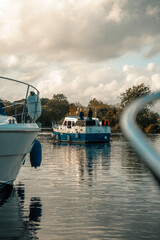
x=46, y=129
x=152, y=128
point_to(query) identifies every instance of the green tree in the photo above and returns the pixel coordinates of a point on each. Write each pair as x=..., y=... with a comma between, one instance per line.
x=57, y=107
x=132, y=93
x=74, y=108
x=145, y=117
x=95, y=103
x=44, y=101
x=105, y=111
x=98, y=107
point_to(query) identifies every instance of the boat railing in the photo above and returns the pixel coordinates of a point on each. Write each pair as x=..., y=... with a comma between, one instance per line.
x=137, y=139
x=19, y=109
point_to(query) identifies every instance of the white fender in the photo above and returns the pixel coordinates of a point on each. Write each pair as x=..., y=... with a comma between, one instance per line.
x=34, y=106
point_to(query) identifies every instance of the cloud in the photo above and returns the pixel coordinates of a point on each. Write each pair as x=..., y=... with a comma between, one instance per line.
x=116, y=13
x=153, y=67
x=155, y=79
x=65, y=46
x=88, y=30
x=81, y=82
x=107, y=84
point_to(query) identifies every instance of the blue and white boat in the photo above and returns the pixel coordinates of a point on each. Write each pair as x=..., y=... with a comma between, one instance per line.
x=75, y=130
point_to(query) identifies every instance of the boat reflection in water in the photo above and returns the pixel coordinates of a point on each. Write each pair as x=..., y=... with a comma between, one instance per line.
x=15, y=223
x=86, y=160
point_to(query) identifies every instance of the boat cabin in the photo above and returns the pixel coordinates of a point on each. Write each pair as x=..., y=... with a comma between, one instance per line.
x=72, y=121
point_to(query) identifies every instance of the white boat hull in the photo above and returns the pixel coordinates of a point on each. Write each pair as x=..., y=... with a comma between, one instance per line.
x=16, y=141
x=18, y=130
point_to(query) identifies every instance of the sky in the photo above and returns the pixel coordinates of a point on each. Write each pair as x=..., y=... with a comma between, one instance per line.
x=84, y=49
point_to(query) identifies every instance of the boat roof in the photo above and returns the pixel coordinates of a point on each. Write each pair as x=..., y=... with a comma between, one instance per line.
x=76, y=118
x=71, y=118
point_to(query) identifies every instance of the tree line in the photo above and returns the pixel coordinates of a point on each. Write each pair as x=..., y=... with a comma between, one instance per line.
x=55, y=109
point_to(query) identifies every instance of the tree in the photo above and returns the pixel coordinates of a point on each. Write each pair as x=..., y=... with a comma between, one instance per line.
x=44, y=101
x=145, y=117
x=95, y=103
x=57, y=107
x=74, y=108
x=98, y=107
x=132, y=93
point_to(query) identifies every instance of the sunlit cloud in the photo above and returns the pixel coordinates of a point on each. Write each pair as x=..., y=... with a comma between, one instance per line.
x=65, y=46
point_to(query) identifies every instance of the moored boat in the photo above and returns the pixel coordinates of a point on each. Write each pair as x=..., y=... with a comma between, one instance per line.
x=18, y=131
x=82, y=131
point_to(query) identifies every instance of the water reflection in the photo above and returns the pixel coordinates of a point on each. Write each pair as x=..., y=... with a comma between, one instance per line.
x=96, y=191
x=97, y=157
x=35, y=209
x=15, y=221
x=130, y=165
x=85, y=159
x=11, y=220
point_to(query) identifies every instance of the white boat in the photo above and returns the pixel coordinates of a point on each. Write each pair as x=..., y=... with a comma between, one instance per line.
x=17, y=132
x=82, y=131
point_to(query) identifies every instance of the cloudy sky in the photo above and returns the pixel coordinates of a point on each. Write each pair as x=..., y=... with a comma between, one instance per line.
x=81, y=48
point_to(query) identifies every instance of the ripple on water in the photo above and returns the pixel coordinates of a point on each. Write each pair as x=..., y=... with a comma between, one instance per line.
x=96, y=191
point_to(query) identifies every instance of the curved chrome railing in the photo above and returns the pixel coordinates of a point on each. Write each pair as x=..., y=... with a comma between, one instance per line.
x=22, y=103
x=28, y=85
x=138, y=140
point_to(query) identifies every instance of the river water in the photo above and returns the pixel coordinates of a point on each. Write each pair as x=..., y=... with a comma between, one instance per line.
x=89, y=192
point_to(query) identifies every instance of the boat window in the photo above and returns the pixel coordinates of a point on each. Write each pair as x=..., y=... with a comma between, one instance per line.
x=65, y=123
x=80, y=123
x=69, y=124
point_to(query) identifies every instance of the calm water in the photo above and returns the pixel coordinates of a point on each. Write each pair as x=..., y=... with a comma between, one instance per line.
x=99, y=191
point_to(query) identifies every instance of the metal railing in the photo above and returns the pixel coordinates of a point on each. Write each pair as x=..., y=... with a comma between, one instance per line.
x=18, y=109
x=137, y=139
